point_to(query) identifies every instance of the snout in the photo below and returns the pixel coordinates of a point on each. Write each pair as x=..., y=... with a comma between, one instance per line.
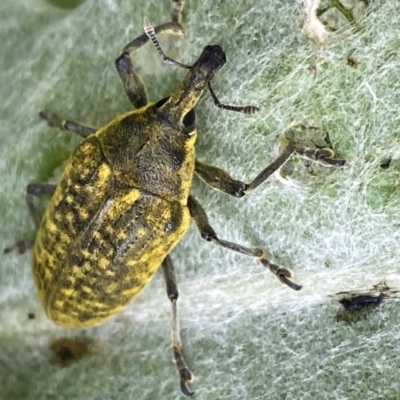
x=210, y=61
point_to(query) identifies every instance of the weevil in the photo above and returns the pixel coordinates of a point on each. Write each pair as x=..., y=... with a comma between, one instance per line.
x=124, y=201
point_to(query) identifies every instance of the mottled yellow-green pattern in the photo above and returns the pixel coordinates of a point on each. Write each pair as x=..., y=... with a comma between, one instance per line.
x=118, y=210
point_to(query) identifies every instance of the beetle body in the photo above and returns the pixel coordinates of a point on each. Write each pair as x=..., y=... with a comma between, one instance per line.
x=120, y=207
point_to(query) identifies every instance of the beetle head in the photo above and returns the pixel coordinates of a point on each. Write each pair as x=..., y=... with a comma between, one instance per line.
x=185, y=98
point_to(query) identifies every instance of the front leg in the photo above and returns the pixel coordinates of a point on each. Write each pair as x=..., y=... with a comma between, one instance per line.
x=220, y=180
x=133, y=84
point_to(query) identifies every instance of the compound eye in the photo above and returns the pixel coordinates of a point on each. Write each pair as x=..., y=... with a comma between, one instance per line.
x=189, y=119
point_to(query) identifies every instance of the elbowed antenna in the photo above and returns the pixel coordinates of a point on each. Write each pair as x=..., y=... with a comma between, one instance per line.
x=151, y=34
x=185, y=98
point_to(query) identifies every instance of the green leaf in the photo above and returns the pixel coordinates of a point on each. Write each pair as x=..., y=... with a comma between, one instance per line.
x=245, y=335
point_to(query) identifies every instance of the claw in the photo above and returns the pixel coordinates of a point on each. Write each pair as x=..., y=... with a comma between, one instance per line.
x=324, y=153
x=186, y=376
x=327, y=156
x=324, y=156
x=334, y=162
x=284, y=279
x=282, y=274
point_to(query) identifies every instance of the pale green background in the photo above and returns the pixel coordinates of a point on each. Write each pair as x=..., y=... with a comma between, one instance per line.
x=246, y=335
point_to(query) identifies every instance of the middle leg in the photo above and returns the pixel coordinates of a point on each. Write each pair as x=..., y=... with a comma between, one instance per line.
x=32, y=190
x=133, y=85
x=55, y=121
x=220, y=180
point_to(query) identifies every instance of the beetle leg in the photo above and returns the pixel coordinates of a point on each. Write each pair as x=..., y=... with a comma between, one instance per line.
x=220, y=180
x=207, y=232
x=133, y=85
x=32, y=190
x=185, y=374
x=20, y=247
x=325, y=156
x=55, y=121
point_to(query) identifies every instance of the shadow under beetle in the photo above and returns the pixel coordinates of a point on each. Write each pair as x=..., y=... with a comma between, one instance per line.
x=123, y=200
